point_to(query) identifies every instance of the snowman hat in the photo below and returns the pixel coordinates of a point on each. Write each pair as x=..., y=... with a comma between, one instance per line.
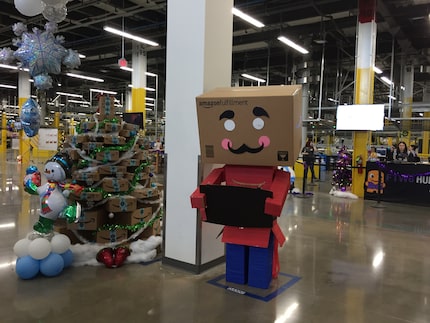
x=64, y=161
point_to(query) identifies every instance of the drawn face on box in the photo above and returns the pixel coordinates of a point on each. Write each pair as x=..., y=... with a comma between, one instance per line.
x=255, y=133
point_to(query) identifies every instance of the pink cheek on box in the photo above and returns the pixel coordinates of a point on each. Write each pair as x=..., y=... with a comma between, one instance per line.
x=225, y=143
x=264, y=141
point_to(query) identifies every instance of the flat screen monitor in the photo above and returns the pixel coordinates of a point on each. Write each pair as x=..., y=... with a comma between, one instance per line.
x=134, y=118
x=360, y=117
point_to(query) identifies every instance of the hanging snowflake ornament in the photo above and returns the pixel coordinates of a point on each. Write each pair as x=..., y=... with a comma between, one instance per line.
x=41, y=52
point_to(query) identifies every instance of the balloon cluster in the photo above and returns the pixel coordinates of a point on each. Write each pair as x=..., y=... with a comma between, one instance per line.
x=40, y=255
x=52, y=10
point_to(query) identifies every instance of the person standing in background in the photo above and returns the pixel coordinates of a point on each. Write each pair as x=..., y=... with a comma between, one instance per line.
x=308, y=153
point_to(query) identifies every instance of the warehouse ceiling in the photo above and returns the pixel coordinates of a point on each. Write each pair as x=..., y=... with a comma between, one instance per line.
x=322, y=26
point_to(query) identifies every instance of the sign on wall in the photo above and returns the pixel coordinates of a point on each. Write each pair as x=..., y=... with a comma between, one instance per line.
x=48, y=139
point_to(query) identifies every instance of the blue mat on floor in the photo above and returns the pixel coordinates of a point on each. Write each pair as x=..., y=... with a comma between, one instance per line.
x=284, y=281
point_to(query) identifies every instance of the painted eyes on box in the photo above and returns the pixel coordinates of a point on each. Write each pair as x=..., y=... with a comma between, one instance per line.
x=257, y=124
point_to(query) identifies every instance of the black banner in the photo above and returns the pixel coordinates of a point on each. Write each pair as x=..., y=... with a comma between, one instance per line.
x=398, y=182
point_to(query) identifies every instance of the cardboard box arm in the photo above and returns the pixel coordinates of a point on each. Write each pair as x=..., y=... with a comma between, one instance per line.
x=198, y=199
x=279, y=188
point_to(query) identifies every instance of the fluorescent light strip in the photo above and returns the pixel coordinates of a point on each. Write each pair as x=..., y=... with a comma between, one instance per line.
x=150, y=89
x=125, y=68
x=377, y=70
x=247, y=18
x=95, y=79
x=70, y=94
x=150, y=99
x=254, y=78
x=292, y=44
x=130, y=36
x=103, y=91
x=129, y=69
x=13, y=67
x=8, y=86
x=80, y=102
x=386, y=80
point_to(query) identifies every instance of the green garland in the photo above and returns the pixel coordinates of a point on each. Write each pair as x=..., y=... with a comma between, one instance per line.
x=101, y=124
x=133, y=228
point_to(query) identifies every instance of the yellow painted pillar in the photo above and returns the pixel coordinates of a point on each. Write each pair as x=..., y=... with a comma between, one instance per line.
x=24, y=93
x=426, y=124
x=364, y=82
x=3, y=146
x=138, y=80
x=407, y=99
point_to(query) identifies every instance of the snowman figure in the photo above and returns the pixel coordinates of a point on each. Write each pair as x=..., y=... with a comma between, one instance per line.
x=54, y=193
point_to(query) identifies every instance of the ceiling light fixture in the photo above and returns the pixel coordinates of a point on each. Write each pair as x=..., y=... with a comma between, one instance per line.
x=377, y=70
x=89, y=78
x=8, y=86
x=11, y=67
x=82, y=56
x=387, y=80
x=254, y=78
x=130, y=36
x=70, y=94
x=103, y=91
x=292, y=44
x=125, y=68
x=247, y=18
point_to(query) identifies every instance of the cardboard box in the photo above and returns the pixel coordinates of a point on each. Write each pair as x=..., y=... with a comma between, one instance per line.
x=106, y=107
x=112, y=127
x=107, y=236
x=125, y=203
x=141, y=193
x=77, y=139
x=141, y=215
x=140, y=176
x=114, y=140
x=88, y=177
x=74, y=154
x=91, y=145
x=250, y=125
x=112, y=170
x=87, y=126
x=127, y=133
x=115, y=185
x=130, y=126
x=91, y=196
x=130, y=162
x=108, y=155
x=131, y=218
x=90, y=220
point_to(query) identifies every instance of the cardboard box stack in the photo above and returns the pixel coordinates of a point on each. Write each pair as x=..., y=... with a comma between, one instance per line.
x=120, y=197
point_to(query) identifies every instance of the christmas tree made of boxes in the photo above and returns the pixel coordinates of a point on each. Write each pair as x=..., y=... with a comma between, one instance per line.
x=120, y=200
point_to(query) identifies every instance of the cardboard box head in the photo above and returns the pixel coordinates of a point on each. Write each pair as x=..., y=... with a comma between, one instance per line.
x=251, y=125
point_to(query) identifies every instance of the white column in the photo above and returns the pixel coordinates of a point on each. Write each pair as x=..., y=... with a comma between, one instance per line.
x=199, y=49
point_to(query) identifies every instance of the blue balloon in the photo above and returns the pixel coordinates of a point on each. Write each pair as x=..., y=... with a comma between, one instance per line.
x=52, y=265
x=67, y=257
x=27, y=267
x=30, y=117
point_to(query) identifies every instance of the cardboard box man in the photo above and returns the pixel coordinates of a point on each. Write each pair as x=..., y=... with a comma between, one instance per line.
x=252, y=130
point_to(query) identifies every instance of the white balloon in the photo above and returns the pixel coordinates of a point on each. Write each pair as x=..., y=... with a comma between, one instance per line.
x=60, y=243
x=21, y=247
x=39, y=248
x=29, y=8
